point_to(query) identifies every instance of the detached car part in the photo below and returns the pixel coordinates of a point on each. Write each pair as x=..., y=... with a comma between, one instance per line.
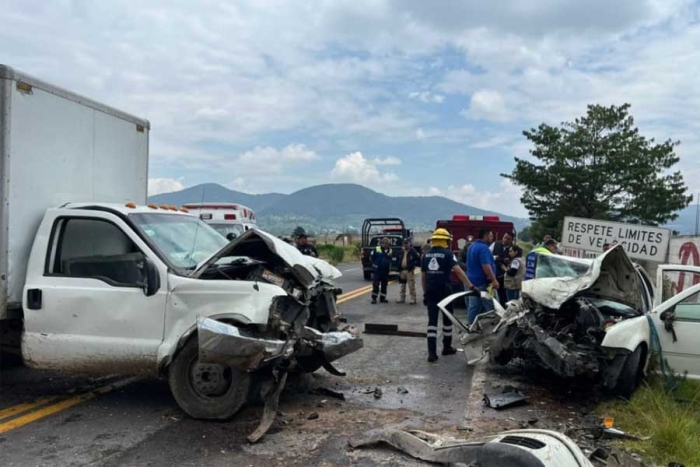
x=518, y=448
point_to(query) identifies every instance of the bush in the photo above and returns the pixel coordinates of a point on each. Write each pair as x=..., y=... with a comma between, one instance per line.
x=331, y=253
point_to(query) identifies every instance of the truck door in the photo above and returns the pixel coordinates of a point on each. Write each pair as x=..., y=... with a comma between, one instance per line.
x=677, y=317
x=85, y=306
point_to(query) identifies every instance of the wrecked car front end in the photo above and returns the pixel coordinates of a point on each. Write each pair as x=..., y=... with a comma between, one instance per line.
x=577, y=318
x=302, y=321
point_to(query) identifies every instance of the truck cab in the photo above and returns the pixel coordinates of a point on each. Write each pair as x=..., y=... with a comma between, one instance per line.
x=127, y=289
x=373, y=230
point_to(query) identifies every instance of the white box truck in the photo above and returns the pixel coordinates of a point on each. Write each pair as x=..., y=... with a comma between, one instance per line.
x=93, y=281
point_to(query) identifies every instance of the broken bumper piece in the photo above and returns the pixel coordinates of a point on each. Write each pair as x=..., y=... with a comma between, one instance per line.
x=222, y=343
x=334, y=345
x=225, y=344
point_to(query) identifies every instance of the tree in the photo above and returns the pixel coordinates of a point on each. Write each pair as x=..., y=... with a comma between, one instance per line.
x=599, y=167
x=298, y=231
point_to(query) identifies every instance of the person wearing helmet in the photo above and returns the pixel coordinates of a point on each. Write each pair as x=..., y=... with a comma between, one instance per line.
x=381, y=265
x=437, y=266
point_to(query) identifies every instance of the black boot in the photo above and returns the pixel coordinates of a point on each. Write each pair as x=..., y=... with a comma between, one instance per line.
x=449, y=351
x=432, y=358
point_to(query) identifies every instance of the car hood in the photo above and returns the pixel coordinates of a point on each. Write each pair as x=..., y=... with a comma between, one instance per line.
x=306, y=268
x=611, y=275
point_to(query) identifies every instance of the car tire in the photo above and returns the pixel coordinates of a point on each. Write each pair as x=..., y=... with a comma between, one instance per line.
x=367, y=275
x=629, y=375
x=502, y=351
x=206, y=391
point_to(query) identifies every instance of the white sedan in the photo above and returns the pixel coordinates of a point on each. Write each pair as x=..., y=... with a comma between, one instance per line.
x=596, y=318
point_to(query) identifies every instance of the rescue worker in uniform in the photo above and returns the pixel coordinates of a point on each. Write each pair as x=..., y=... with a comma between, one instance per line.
x=381, y=265
x=305, y=247
x=438, y=264
x=408, y=262
x=549, y=248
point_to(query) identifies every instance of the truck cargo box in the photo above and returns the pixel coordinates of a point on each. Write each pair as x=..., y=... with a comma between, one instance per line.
x=58, y=147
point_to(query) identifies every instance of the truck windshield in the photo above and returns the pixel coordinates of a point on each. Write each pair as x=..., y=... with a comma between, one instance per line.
x=183, y=240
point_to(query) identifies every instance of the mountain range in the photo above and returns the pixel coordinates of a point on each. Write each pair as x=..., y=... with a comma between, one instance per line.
x=338, y=207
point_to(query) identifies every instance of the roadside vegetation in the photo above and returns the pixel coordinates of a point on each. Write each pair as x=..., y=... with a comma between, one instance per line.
x=337, y=254
x=671, y=420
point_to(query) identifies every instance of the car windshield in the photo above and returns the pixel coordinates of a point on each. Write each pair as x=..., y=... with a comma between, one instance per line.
x=225, y=229
x=560, y=266
x=183, y=240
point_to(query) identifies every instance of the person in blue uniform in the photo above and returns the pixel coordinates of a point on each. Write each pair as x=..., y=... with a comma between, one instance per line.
x=381, y=265
x=437, y=266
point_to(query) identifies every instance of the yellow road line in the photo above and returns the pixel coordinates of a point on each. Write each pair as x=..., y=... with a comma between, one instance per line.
x=62, y=405
x=19, y=408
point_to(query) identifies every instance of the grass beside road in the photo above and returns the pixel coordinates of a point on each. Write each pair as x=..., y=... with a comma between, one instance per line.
x=337, y=254
x=670, y=418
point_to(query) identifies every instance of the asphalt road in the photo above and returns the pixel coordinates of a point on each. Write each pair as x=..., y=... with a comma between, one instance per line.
x=136, y=422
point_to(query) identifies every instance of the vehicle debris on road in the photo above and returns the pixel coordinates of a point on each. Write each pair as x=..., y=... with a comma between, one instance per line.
x=509, y=397
x=517, y=448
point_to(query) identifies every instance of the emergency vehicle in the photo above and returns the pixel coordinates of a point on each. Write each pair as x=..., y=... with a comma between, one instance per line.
x=229, y=219
x=465, y=228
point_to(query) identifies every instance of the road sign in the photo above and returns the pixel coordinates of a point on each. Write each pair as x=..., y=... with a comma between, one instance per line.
x=639, y=241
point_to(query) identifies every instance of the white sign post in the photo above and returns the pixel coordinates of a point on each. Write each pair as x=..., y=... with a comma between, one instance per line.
x=639, y=241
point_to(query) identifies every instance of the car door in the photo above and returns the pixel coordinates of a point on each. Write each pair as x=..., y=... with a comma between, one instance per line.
x=85, y=307
x=676, y=316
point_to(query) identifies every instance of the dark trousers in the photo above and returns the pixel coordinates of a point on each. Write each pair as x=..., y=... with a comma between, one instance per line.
x=502, y=297
x=434, y=295
x=379, y=285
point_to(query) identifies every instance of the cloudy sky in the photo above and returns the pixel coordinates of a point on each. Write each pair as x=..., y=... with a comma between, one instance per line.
x=409, y=97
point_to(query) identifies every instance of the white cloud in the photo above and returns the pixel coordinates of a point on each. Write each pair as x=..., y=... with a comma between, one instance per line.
x=420, y=134
x=357, y=168
x=387, y=161
x=505, y=200
x=164, y=185
x=427, y=97
x=269, y=160
x=487, y=104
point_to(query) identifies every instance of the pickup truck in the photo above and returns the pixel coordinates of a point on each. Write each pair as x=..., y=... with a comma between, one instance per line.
x=373, y=230
x=109, y=285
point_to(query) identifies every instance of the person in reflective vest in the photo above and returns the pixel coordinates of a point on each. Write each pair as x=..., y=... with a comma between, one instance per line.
x=549, y=248
x=381, y=265
x=437, y=266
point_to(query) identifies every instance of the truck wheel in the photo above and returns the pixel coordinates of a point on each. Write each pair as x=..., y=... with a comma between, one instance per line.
x=629, y=376
x=368, y=275
x=205, y=390
x=501, y=350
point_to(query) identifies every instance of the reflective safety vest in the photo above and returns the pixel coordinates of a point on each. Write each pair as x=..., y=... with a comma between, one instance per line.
x=531, y=261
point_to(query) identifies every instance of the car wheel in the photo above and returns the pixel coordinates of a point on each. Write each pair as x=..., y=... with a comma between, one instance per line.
x=502, y=351
x=368, y=275
x=204, y=390
x=629, y=375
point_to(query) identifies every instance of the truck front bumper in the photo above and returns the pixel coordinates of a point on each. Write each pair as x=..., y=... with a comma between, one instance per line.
x=225, y=344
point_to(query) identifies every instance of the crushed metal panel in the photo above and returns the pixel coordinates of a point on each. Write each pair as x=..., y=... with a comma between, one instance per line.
x=222, y=343
x=505, y=399
x=611, y=275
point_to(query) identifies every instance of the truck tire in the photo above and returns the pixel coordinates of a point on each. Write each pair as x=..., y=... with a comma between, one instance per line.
x=367, y=275
x=207, y=391
x=629, y=376
x=502, y=351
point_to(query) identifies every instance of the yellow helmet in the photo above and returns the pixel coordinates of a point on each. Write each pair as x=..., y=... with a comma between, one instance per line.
x=441, y=234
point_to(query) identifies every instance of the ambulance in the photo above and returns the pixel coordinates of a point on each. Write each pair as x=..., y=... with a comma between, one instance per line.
x=229, y=219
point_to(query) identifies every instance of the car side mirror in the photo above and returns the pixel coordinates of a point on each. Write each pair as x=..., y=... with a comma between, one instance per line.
x=151, y=278
x=231, y=236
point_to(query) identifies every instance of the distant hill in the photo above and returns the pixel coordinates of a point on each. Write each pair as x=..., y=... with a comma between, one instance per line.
x=334, y=206
x=213, y=193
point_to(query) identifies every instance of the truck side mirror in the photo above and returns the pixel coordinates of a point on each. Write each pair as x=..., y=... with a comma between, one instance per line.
x=151, y=282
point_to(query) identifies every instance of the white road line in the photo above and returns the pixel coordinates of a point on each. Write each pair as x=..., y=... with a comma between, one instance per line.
x=353, y=269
